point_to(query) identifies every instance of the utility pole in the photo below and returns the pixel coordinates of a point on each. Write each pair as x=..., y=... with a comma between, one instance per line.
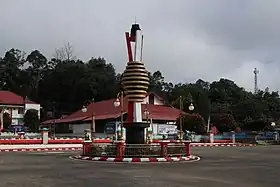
x=181, y=125
x=53, y=126
x=256, y=71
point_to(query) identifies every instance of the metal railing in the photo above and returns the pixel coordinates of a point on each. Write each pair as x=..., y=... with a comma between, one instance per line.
x=142, y=150
x=176, y=150
x=163, y=149
x=103, y=150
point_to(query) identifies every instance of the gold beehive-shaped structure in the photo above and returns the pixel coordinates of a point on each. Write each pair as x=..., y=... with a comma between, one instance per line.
x=135, y=81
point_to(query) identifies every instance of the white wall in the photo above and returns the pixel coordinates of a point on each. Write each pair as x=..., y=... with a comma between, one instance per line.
x=146, y=100
x=15, y=113
x=33, y=106
x=16, y=117
x=157, y=101
x=80, y=128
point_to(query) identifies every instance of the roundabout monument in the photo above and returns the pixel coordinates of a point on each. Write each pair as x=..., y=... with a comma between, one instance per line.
x=136, y=147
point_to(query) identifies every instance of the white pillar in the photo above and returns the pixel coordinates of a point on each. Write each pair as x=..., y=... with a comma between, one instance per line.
x=137, y=112
x=211, y=137
x=45, y=136
x=137, y=115
x=138, y=46
x=233, y=137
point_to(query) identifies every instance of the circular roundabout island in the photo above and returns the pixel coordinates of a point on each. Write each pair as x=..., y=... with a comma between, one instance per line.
x=119, y=151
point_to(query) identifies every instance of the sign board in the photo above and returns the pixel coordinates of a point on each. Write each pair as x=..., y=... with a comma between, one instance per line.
x=167, y=129
x=111, y=127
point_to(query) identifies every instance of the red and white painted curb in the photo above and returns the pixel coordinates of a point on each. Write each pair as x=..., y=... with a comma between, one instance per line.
x=221, y=145
x=50, y=140
x=41, y=149
x=147, y=159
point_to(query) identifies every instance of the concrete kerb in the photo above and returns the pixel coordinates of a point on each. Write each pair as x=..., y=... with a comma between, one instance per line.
x=191, y=158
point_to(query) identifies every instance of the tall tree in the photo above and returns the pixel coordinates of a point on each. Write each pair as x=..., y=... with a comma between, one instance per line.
x=65, y=53
x=6, y=120
x=37, y=65
x=10, y=70
x=31, y=119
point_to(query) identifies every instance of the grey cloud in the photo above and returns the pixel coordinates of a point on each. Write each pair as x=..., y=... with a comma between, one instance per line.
x=185, y=39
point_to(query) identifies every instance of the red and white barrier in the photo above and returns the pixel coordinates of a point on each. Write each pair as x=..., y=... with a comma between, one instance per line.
x=147, y=159
x=221, y=145
x=51, y=140
x=26, y=148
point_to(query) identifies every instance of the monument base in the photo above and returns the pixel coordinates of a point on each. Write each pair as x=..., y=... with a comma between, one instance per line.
x=135, y=132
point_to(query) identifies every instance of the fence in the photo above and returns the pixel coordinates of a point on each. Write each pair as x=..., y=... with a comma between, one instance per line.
x=120, y=149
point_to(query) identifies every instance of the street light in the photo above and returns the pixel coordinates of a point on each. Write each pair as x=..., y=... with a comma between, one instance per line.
x=118, y=103
x=181, y=121
x=84, y=110
x=191, y=107
x=146, y=115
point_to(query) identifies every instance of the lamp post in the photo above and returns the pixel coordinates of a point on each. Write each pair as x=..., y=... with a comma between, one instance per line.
x=118, y=103
x=53, y=120
x=191, y=108
x=181, y=125
x=146, y=115
x=92, y=125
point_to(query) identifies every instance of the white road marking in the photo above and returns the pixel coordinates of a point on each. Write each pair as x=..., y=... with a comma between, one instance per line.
x=50, y=152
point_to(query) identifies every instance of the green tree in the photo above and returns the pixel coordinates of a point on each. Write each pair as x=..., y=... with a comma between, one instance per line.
x=37, y=64
x=68, y=82
x=156, y=82
x=31, y=119
x=10, y=70
x=223, y=121
x=6, y=120
x=192, y=122
x=94, y=79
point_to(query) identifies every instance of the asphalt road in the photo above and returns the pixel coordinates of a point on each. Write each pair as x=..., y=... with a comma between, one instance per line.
x=219, y=166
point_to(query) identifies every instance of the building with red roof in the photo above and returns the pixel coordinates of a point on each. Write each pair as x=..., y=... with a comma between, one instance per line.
x=16, y=106
x=105, y=111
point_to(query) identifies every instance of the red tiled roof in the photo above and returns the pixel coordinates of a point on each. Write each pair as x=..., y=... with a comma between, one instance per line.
x=64, y=120
x=161, y=112
x=107, y=110
x=105, y=116
x=28, y=101
x=7, y=97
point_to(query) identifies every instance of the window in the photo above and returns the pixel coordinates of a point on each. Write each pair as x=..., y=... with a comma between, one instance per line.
x=21, y=111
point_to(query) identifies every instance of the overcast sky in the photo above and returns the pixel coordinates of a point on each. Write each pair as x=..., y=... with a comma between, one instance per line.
x=184, y=39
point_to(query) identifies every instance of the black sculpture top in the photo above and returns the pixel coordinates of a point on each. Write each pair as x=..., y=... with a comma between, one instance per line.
x=135, y=27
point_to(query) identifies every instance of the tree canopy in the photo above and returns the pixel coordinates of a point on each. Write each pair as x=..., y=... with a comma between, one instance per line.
x=64, y=82
x=31, y=119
